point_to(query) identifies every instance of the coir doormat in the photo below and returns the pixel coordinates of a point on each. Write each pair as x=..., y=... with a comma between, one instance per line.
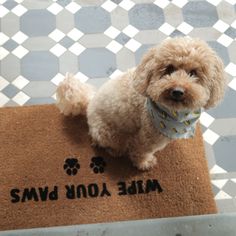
x=50, y=175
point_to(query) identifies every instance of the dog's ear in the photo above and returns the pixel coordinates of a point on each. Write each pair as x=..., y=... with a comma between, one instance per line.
x=218, y=82
x=144, y=71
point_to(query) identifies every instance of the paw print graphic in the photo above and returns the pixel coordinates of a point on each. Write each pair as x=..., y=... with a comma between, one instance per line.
x=97, y=164
x=71, y=166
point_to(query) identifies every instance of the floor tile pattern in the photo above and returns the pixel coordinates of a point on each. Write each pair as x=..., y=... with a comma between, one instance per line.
x=99, y=39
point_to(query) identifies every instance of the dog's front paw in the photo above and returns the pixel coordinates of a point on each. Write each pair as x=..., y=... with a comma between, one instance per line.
x=146, y=163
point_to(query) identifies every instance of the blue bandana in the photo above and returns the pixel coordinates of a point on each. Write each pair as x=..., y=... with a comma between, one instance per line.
x=173, y=124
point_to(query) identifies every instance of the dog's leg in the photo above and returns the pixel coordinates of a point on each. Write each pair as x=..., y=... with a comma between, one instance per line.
x=143, y=161
x=111, y=151
x=142, y=151
x=107, y=138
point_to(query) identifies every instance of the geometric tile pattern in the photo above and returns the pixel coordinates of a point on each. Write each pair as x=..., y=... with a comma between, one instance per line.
x=97, y=40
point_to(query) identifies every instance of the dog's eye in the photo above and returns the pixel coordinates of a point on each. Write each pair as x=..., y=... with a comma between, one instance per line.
x=169, y=70
x=193, y=73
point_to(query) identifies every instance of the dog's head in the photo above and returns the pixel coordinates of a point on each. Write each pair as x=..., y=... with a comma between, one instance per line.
x=181, y=73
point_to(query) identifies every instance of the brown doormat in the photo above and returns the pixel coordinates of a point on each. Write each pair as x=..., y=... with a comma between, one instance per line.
x=51, y=176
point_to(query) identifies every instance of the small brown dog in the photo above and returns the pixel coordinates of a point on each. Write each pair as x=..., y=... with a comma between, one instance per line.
x=140, y=112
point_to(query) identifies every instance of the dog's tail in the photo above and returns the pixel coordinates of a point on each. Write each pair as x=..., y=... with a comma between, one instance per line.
x=73, y=96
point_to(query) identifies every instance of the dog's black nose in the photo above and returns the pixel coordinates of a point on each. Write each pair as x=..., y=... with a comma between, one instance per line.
x=177, y=94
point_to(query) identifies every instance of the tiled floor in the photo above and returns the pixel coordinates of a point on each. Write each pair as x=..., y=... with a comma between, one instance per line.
x=41, y=40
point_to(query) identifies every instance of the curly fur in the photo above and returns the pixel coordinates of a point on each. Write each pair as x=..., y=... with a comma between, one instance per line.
x=117, y=117
x=73, y=96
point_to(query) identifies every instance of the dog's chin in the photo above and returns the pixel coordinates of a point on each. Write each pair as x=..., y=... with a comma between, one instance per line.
x=178, y=105
x=173, y=104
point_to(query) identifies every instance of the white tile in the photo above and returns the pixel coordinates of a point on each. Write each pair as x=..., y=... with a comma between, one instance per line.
x=3, y=99
x=217, y=170
x=20, y=37
x=21, y=98
x=57, y=50
x=162, y=3
x=231, y=69
x=221, y=26
x=116, y=74
x=214, y=2
x=75, y=34
x=3, y=53
x=219, y=183
x=2, y=1
x=109, y=6
x=133, y=45
x=232, y=2
x=130, y=30
x=55, y=8
x=225, y=40
x=3, y=11
x=19, y=10
x=234, y=180
x=206, y=119
x=56, y=35
x=234, y=24
x=54, y=96
x=232, y=84
x=73, y=7
x=20, y=82
x=185, y=28
x=20, y=52
x=222, y=195
x=166, y=29
x=19, y=1
x=3, y=38
x=112, y=32
x=114, y=46
x=3, y=83
x=58, y=78
x=77, y=49
x=179, y=3
x=126, y=4
x=82, y=78
x=210, y=137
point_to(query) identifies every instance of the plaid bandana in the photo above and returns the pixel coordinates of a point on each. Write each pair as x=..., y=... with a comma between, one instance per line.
x=173, y=124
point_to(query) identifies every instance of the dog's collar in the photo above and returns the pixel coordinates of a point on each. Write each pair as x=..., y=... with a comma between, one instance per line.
x=173, y=124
